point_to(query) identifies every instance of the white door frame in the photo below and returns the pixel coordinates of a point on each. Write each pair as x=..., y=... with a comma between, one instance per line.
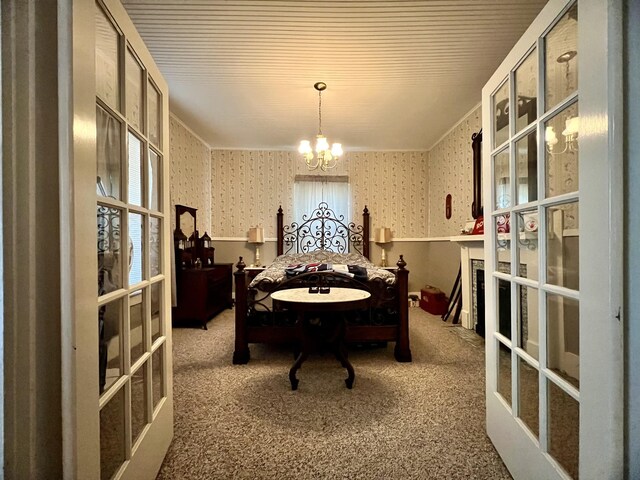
x=601, y=254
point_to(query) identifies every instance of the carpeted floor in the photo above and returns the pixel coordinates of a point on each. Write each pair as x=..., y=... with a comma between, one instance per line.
x=419, y=420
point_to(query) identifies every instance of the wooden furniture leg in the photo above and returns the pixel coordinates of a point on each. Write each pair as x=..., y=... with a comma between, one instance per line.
x=241, y=353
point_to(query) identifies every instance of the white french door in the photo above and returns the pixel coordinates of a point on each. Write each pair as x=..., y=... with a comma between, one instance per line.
x=553, y=342
x=124, y=409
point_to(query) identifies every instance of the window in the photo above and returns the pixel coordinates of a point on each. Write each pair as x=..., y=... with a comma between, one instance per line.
x=310, y=190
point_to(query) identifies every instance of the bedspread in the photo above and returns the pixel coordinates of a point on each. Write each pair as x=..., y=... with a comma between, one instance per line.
x=277, y=271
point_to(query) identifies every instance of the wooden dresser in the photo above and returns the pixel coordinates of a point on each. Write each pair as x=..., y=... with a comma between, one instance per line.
x=202, y=293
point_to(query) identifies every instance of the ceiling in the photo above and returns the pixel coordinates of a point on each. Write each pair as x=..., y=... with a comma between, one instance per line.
x=400, y=74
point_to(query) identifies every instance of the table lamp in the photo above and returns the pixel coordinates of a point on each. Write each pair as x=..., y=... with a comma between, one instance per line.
x=256, y=236
x=383, y=235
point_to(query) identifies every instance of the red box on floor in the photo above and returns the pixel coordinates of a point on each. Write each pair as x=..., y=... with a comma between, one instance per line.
x=433, y=300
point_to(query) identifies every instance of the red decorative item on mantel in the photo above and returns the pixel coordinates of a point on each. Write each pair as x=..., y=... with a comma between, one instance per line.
x=478, y=228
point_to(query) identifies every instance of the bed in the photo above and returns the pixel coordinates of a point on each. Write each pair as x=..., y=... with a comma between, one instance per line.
x=322, y=250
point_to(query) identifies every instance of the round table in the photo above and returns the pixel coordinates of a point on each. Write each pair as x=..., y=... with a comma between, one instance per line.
x=338, y=299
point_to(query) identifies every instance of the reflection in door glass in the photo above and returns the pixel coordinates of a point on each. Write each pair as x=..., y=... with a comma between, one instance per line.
x=564, y=428
x=112, y=444
x=138, y=401
x=528, y=320
x=526, y=78
x=137, y=325
x=529, y=396
x=563, y=245
x=501, y=115
x=110, y=361
x=158, y=375
x=504, y=372
x=134, y=76
x=156, y=304
x=135, y=170
x=561, y=59
x=108, y=154
x=527, y=224
x=561, y=152
x=107, y=65
x=109, y=254
x=136, y=242
x=563, y=338
x=502, y=183
x=527, y=168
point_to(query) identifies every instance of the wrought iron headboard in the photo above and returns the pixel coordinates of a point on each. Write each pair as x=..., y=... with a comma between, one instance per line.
x=322, y=229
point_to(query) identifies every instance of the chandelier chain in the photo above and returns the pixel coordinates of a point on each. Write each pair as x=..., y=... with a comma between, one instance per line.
x=320, y=112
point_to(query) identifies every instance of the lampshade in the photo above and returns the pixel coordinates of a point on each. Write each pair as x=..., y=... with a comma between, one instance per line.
x=383, y=235
x=256, y=235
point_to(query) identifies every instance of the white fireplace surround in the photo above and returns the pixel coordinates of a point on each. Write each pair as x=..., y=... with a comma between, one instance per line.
x=471, y=248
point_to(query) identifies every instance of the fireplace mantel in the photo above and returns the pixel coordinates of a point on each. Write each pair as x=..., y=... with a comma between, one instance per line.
x=471, y=248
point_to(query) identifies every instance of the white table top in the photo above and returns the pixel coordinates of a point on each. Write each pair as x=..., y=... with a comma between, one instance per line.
x=336, y=295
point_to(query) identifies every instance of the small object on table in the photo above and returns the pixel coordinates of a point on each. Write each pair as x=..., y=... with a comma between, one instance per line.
x=325, y=289
x=314, y=289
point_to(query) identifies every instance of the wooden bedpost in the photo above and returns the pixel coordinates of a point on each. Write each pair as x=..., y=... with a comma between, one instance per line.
x=241, y=352
x=402, y=351
x=279, y=233
x=365, y=232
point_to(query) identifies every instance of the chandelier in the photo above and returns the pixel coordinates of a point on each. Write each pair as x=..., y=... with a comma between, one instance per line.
x=572, y=123
x=324, y=158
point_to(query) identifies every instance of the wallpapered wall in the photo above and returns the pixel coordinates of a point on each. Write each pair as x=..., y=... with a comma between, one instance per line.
x=451, y=171
x=190, y=165
x=247, y=187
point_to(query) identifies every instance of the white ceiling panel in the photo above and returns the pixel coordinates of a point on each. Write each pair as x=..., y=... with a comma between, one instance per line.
x=399, y=73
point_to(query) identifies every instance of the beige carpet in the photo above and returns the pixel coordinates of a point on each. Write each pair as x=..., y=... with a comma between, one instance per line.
x=419, y=420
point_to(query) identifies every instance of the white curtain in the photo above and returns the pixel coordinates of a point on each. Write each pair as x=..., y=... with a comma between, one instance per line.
x=311, y=190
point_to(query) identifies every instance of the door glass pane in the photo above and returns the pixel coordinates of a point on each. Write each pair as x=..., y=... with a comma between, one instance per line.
x=504, y=372
x=526, y=78
x=107, y=67
x=135, y=170
x=504, y=308
x=108, y=154
x=112, y=445
x=136, y=325
x=153, y=99
x=564, y=428
x=561, y=59
x=154, y=245
x=110, y=361
x=109, y=264
x=527, y=168
x=158, y=375
x=501, y=115
x=136, y=239
x=561, y=155
x=503, y=238
x=154, y=181
x=528, y=320
x=528, y=243
x=563, y=338
x=502, y=183
x=138, y=401
x=529, y=396
x=156, y=303
x=563, y=244
x=134, y=91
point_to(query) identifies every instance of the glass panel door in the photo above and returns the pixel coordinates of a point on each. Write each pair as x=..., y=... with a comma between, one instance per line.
x=133, y=316
x=533, y=356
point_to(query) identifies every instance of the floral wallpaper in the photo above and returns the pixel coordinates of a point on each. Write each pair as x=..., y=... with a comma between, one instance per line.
x=249, y=186
x=190, y=166
x=451, y=172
